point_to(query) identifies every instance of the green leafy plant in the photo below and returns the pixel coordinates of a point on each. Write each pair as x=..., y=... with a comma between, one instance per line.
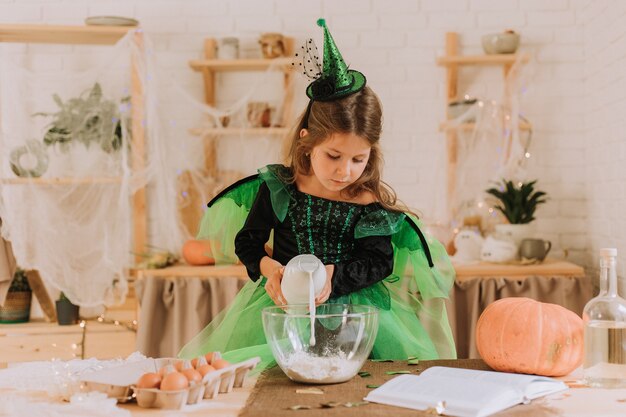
x=518, y=202
x=88, y=119
x=19, y=282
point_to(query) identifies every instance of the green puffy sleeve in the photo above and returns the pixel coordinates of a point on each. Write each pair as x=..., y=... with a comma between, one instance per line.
x=379, y=223
x=275, y=176
x=225, y=216
x=227, y=212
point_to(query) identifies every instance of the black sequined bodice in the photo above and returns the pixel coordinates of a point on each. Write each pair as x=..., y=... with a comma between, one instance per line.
x=324, y=227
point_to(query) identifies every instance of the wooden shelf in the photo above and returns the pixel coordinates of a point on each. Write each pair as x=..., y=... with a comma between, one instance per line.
x=240, y=64
x=452, y=61
x=485, y=60
x=446, y=126
x=94, y=35
x=62, y=180
x=236, y=131
x=183, y=270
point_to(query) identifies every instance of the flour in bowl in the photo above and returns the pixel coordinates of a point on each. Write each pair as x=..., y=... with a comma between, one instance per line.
x=305, y=367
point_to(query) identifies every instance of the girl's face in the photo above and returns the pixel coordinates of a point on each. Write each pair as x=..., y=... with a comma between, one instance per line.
x=340, y=160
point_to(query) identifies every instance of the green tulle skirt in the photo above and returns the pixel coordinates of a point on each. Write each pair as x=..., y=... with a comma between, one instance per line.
x=413, y=320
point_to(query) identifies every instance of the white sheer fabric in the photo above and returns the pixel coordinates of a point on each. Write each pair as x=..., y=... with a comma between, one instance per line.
x=497, y=146
x=74, y=222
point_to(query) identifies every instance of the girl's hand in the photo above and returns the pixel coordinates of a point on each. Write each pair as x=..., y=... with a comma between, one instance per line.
x=328, y=286
x=273, y=271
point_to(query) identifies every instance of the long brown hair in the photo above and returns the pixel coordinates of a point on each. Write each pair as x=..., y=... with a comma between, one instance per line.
x=359, y=114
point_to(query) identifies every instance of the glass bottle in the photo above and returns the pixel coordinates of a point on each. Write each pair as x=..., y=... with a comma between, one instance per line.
x=605, y=330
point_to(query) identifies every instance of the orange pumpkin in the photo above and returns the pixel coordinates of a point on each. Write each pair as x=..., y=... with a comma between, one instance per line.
x=198, y=252
x=525, y=336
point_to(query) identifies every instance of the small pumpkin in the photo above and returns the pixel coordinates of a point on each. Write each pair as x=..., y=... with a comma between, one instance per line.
x=198, y=252
x=522, y=335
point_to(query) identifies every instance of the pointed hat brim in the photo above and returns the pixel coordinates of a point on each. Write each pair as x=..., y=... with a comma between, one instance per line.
x=323, y=89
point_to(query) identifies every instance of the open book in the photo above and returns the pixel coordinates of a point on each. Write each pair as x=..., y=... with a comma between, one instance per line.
x=463, y=392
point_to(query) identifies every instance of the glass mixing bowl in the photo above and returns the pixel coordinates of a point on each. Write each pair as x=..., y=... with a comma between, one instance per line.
x=344, y=336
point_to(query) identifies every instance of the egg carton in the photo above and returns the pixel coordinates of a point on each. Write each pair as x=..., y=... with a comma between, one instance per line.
x=168, y=400
x=122, y=393
x=224, y=380
x=116, y=382
x=217, y=382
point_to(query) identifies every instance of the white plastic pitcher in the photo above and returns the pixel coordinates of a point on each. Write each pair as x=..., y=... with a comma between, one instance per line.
x=295, y=284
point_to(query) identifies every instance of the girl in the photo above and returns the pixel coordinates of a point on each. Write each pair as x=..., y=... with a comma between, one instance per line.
x=330, y=201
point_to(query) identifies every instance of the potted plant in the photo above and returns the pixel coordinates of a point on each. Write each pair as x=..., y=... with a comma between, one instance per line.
x=89, y=119
x=16, y=307
x=518, y=203
x=67, y=312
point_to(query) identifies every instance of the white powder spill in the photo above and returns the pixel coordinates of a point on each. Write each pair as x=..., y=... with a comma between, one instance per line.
x=305, y=367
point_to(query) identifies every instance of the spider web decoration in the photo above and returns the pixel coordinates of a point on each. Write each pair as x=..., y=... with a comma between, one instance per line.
x=307, y=59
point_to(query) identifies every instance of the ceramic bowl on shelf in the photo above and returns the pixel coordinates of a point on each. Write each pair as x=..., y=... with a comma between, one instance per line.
x=344, y=337
x=460, y=107
x=111, y=21
x=500, y=43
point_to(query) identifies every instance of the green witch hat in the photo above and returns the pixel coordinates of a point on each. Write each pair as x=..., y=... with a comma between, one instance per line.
x=336, y=80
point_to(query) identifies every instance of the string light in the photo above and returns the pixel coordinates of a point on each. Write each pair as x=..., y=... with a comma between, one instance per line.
x=132, y=326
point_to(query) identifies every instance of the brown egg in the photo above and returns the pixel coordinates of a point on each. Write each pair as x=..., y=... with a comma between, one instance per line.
x=192, y=375
x=220, y=363
x=212, y=355
x=205, y=369
x=179, y=365
x=174, y=381
x=149, y=380
x=199, y=361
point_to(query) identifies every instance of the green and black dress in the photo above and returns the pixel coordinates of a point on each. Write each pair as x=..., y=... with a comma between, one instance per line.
x=381, y=258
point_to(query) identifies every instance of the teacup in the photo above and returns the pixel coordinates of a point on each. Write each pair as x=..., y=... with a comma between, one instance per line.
x=534, y=249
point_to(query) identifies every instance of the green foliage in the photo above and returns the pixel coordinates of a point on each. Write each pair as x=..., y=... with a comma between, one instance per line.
x=19, y=282
x=87, y=119
x=518, y=203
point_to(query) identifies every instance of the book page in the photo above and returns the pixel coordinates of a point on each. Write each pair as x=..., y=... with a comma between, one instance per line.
x=467, y=393
x=462, y=398
x=531, y=386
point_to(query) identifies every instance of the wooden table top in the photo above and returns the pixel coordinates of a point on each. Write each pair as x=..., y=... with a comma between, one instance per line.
x=550, y=267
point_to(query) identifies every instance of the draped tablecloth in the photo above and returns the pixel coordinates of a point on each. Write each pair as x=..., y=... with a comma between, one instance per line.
x=177, y=302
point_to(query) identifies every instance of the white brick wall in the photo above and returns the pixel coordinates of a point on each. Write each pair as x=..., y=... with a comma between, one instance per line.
x=576, y=99
x=604, y=130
